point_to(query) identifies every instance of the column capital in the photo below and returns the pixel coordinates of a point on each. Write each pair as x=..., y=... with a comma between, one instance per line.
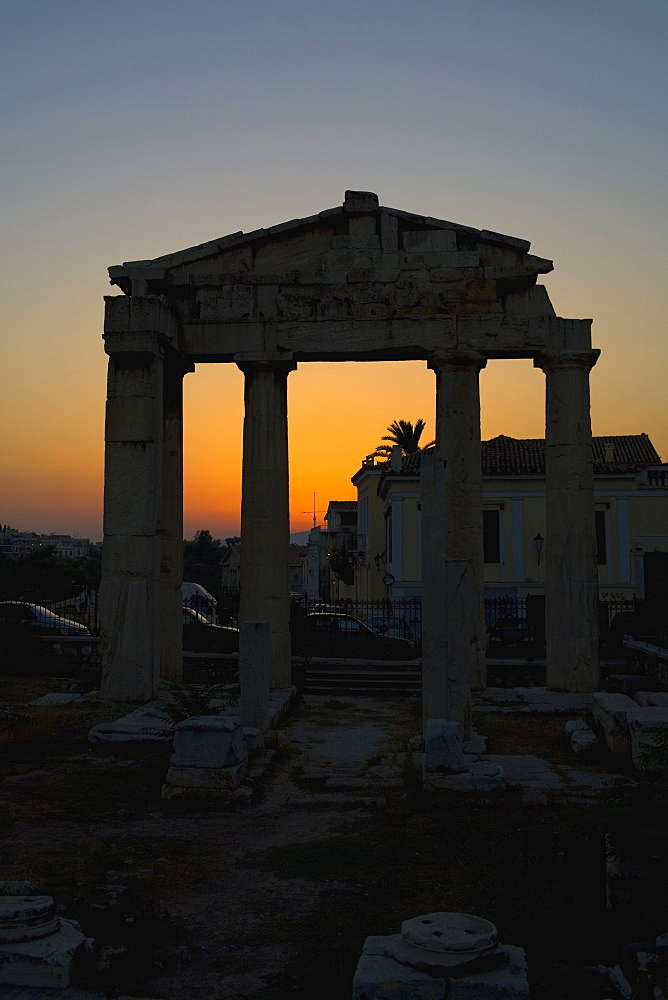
x=278, y=364
x=457, y=361
x=564, y=361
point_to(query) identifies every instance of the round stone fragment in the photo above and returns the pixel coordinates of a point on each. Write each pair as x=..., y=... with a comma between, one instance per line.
x=26, y=918
x=445, y=939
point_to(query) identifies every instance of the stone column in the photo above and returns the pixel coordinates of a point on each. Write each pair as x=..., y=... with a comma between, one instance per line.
x=170, y=525
x=130, y=587
x=571, y=575
x=265, y=518
x=140, y=331
x=458, y=444
x=446, y=689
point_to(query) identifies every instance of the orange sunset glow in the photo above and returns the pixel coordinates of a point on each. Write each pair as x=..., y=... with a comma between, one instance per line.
x=126, y=143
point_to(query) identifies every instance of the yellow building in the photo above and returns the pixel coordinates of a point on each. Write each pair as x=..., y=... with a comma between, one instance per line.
x=631, y=512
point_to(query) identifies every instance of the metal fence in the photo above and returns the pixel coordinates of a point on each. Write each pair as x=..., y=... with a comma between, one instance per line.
x=401, y=617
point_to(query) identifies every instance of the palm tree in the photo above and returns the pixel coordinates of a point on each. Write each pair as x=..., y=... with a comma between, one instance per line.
x=402, y=433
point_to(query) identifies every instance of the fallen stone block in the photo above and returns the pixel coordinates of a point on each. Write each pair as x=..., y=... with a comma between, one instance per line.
x=652, y=699
x=627, y=683
x=646, y=726
x=581, y=736
x=148, y=723
x=479, y=777
x=55, y=699
x=209, y=759
x=621, y=983
x=610, y=712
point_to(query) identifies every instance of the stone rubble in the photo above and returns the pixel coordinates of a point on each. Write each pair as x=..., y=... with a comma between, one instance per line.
x=37, y=947
x=581, y=737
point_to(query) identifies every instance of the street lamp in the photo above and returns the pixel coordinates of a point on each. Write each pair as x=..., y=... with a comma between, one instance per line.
x=538, y=542
x=379, y=559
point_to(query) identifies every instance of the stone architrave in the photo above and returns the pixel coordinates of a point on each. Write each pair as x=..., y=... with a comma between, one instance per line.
x=571, y=572
x=254, y=667
x=458, y=445
x=265, y=516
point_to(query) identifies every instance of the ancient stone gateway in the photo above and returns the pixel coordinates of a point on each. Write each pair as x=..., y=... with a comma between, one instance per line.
x=358, y=282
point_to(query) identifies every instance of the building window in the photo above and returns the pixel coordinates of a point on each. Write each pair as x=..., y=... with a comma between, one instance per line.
x=601, y=557
x=491, y=541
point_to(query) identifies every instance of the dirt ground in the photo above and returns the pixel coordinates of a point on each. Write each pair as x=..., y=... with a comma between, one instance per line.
x=274, y=898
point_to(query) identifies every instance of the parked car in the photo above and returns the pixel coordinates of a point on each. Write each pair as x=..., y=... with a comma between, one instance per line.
x=202, y=636
x=392, y=627
x=512, y=637
x=339, y=635
x=195, y=596
x=18, y=616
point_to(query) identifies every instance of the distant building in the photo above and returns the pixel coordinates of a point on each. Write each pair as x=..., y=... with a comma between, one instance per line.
x=631, y=515
x=333, y=553
x=19, y=544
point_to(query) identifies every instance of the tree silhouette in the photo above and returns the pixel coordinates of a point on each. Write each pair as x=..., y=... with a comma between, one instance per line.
x=404, y=434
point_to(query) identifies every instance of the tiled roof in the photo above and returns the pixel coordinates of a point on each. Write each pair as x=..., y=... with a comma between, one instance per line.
x=507, y=456
x=342, y=505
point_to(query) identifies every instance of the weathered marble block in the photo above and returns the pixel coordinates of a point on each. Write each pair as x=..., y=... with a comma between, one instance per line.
x=210, y=757
x=209, y=741
x=610, y=712
x=645, y=725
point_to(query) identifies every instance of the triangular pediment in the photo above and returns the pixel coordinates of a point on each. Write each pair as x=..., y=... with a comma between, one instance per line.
x=355, y=282
x=358, y=235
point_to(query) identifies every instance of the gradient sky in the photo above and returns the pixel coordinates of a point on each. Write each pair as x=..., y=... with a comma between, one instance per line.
x=146, y=126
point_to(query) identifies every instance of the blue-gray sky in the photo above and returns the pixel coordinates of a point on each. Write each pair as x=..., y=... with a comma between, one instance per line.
x=144, y=126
